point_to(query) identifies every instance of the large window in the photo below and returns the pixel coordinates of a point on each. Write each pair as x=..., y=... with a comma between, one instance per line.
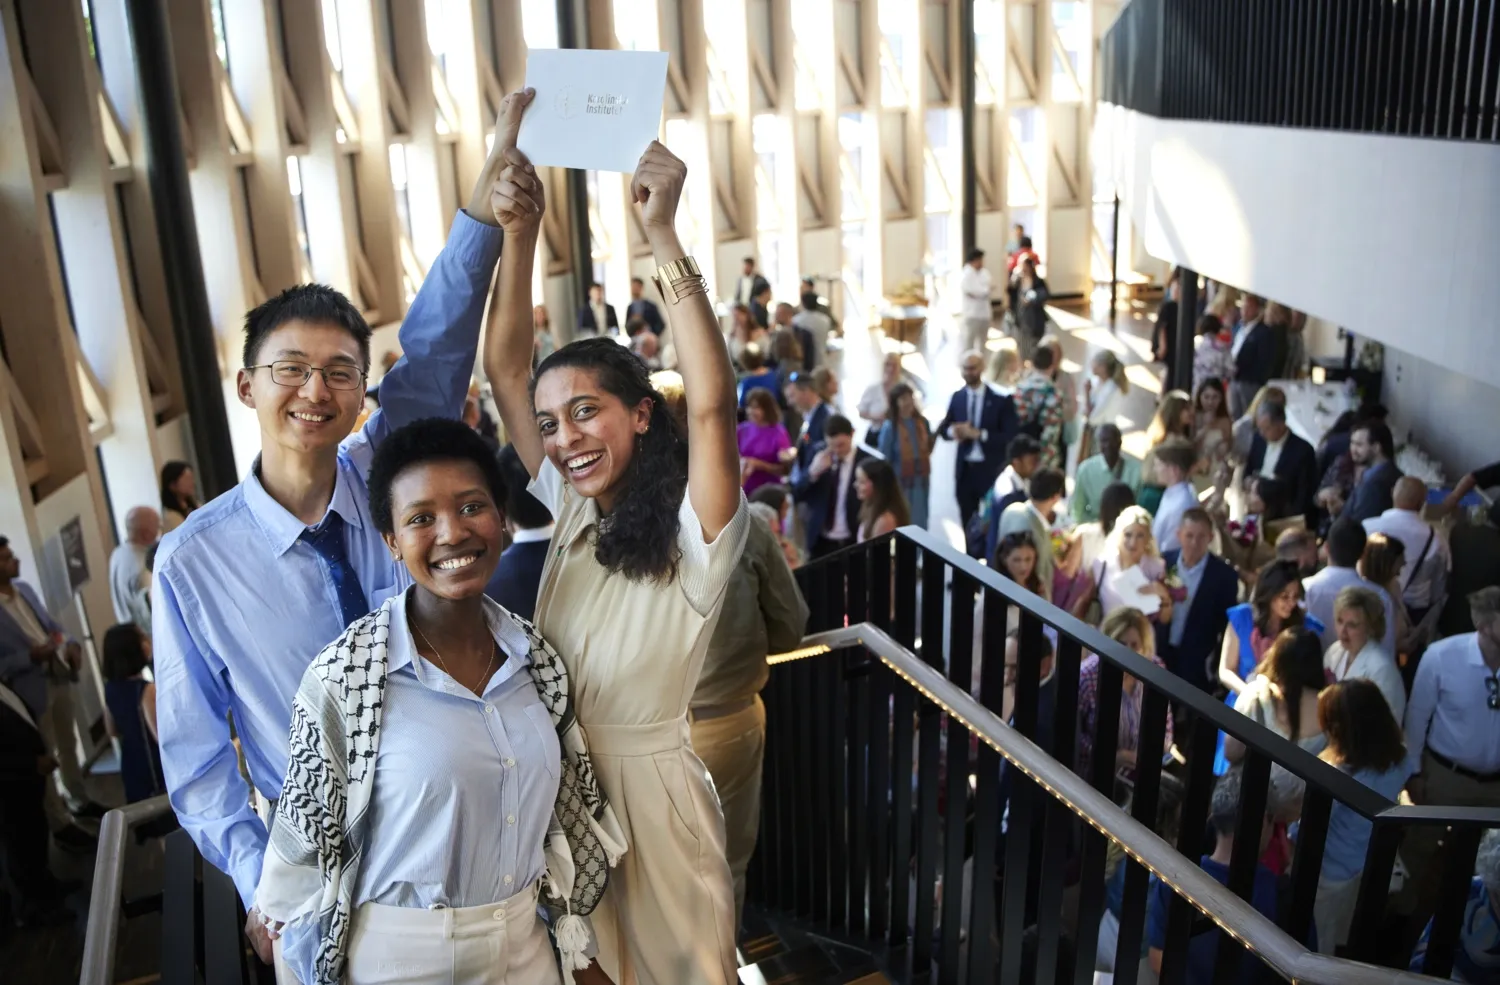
x=539, y=23
x=636, y=26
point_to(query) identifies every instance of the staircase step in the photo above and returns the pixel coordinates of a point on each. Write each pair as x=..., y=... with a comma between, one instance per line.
x=822, y=962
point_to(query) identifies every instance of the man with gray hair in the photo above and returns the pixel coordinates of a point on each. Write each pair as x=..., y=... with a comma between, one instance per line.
x=1224, y=815
x=129, y=582
x=1453, y=729
x=1279, y=454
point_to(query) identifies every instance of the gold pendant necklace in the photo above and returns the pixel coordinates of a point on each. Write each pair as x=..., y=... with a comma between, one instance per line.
x=487, y=668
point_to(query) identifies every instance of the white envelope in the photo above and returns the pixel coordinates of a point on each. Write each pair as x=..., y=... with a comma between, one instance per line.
x=1128, y=585
x=594, y=110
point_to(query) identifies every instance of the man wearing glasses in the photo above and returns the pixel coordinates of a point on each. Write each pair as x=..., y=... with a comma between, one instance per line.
x=258, y=581
x=1453, y=730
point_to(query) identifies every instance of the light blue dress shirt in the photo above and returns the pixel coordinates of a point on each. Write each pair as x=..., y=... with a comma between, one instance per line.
x=1349, y=831
x=1191, y=579
x=464, y=786
x=1449, y=710
x=1176, y=501
x=240, y=605
x=1322, y=591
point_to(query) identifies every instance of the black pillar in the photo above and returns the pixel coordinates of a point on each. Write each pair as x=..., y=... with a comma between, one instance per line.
x=1187, y=323
x=172, y=204
x=573, y=32
x=1114, y=260
x=966, y=84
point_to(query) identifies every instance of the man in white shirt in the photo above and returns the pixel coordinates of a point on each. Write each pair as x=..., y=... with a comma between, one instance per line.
x=1424, y=576
x=129, y=582
x=816, y=323
x=1453, y=730
x=750, y=284
x=1174, y=463
x=974, y=286
x=1345, y=544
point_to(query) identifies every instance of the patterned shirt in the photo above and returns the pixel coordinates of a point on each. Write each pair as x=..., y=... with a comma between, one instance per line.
x=1130, y=714
x=1037, y=400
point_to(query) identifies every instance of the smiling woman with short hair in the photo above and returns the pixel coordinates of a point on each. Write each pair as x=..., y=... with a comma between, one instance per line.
x=427, y=748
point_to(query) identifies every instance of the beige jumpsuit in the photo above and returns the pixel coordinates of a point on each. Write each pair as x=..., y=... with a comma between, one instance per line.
x=634, y=650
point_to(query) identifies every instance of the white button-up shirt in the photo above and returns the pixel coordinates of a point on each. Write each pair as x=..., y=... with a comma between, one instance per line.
x=1449, y=710
x=974, y=285
x=1176, y=501
x=1273, y=455
x=1419, y=586
x=464, y=785
x=838, y=523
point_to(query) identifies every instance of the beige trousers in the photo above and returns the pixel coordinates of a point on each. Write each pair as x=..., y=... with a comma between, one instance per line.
x=284, y=975
x=1420, y=845
x=732, y=748
x=497, y=944
x=976, y=333
x=1333, y=912
x=59, y=731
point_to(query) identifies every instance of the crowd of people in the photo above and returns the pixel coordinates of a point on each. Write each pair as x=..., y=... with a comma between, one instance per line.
x=470, y=668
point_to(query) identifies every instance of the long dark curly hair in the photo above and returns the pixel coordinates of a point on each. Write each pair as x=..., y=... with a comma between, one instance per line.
x=638, y=538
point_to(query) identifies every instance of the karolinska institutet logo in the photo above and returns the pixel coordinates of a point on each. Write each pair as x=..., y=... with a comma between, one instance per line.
x=569, y=103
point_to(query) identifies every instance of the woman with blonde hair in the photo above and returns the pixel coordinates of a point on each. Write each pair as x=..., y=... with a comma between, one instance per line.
x=1104, y=390
x=1359, y=618
x=1005, y=366
x=1213, y=428
x=1381, y=563
x=1130, y=627
x=1129, y=570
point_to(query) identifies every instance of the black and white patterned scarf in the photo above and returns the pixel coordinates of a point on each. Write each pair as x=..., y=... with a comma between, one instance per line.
x=318, y=837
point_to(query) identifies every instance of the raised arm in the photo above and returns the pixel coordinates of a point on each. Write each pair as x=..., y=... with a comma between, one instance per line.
x=518, y=204
x=702, y=358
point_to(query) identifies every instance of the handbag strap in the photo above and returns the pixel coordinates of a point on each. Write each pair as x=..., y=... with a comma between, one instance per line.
x=1431, y=533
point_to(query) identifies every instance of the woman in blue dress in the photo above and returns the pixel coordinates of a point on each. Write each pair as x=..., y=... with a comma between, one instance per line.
x=1275, y=605
x=906, y=442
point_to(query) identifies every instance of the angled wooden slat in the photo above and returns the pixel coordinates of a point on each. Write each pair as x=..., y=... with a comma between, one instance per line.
x=1067, y=173
x=945, y=84
x=813, y=192
x=727, y=203
x=95, y=397
x=151, y=356
x=395, y=99
x=1023, y=66
x=1061, y=54
x=342, y=108
x=114, y=134
x=986, y=186
x=852, y=73
x=898, y=185
x=49, y=148
x=678, y=84
x=764, y=76
x=291, y=107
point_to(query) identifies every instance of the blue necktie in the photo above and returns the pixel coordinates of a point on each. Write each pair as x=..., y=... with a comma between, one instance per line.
x=328, y=541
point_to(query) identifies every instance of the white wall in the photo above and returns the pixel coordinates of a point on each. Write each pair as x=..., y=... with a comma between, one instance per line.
x=902, y=254
x=1390, y=236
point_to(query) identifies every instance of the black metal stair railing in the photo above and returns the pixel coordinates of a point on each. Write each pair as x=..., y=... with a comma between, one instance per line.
x=883, y=773
x=1418, y=68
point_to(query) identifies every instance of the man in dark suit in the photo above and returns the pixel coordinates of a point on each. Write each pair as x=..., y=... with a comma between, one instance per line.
x=642, y=307
x=750, y=284
x=983, y=422
x=1371, y=446
x=1276, y=453
x=519, y=573
x=1191, y=642
x=25, y=769
x=803, y=394
x=596, y=317
x=827, y=487
x=1254, y=356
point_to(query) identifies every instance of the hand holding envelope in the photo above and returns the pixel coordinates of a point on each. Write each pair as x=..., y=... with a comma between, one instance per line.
x=519, y=197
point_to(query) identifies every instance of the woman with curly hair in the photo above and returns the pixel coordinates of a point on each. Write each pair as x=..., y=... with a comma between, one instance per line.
x=647, y=537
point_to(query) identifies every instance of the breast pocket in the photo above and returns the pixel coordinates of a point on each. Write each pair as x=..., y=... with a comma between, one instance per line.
x=545, y=736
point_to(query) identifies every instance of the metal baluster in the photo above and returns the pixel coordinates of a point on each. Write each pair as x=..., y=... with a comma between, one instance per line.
x=840, y=764
x=860, y=808
x=858, y=608
x=1149, y=744
x=807, y=855
x=1307, y=865
x=762, y=885
x=929, y=739
x=180, y=920
x=881, y=802
x=1255, y=779
x=1365, y=942
x=902, y=736
x=934, y=572
x=987, y=796
x=1199, y=749
x=956, y=794
x=880, y=586
x=821, y=826
x=1057, y=832
x=1102, y=776
x=1024, y=796
x=1473, y=113
x=1453, y=892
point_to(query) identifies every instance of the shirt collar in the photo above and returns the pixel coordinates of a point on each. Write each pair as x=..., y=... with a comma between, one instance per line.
x=281, y=528
x=1192, y=568
x=514, y=642
x=533, y=535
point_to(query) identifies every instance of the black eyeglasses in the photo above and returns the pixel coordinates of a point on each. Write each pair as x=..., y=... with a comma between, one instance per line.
x=1492, y=685
x=289, y=372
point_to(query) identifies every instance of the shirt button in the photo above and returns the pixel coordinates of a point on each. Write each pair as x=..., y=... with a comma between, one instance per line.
x=509, y=763
x=489, y=709
x=510, y=819
x=509, y=880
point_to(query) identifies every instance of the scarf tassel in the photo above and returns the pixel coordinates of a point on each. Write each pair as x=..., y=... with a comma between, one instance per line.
x=572, y=942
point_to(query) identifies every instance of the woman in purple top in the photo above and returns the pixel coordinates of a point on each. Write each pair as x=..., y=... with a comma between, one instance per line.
x=762, y=442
